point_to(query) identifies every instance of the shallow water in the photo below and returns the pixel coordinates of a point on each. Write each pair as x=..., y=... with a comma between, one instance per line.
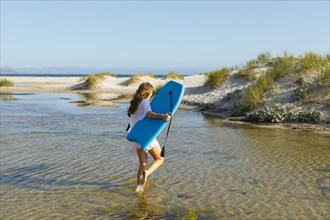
x=61, y=161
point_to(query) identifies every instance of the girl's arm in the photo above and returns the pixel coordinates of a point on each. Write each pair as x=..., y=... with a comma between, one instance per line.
x=155, y=115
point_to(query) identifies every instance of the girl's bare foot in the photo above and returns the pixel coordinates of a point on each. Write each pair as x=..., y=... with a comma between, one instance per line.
x=139, y=189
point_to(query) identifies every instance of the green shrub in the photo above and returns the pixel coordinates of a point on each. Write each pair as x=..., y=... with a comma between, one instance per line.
x=173, y=75
x=309, y=117
x=6, y=83
x=276, y=113
x=304, y=91
x=217, y=77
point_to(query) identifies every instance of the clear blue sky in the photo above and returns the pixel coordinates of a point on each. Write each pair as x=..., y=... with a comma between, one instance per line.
x=173, y=35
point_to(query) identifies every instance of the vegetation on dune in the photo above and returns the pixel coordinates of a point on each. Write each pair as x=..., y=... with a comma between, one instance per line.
x=151, y=75
x=173, y=75
x=134, y=79
x=247, y=73
x=277, y=113
x=93, y=80
x=282, y=67
x=264, y=57
x=324, y=80
x=6, y=83
x=313, y=63
x=313, y=78
x=308, y=76
x=217, y=77
x=137, y=77
x=248, y=70
x=254, y=94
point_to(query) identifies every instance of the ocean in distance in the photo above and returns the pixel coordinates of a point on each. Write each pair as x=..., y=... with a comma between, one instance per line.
x=79, y=72
x=59, y=75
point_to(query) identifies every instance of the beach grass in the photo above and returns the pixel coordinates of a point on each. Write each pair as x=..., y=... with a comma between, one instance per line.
x=134, y=79
x=137, y=77
x=247, y=73
x=151, y=75
x=217, y=77
x=254, y=94
x=6, y=83
x=324, y=81
x=248, y=70
x=282, y=66
x=325, y=75
x=93, y=80
x=173, y=75
x=312, y=63
x=264, y=57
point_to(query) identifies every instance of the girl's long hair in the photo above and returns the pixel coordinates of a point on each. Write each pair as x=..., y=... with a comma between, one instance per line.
x=143, y=92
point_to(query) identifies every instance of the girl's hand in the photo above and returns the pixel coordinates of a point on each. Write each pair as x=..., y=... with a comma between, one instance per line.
x=166, y=117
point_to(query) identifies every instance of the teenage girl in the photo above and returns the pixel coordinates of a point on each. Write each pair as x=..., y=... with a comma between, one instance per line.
x=140, y=108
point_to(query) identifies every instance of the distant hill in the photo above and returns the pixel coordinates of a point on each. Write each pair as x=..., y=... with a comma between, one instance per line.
x=7, y=70
x=42, y=70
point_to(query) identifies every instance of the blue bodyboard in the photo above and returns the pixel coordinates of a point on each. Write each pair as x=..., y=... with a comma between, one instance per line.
x=147, y=129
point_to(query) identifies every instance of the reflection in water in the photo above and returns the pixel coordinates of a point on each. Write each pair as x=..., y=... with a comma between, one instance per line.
x=7, y=96
x=97, y=96
x=89, y=95
x=61, y=161
x=96, y=100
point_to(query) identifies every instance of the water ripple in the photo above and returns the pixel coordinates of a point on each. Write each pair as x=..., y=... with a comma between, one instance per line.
x=59, y=161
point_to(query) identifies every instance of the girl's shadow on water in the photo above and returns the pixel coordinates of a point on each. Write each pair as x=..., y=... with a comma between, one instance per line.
x=31, y=177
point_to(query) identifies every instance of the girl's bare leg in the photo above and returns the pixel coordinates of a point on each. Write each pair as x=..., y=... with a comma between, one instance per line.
x=143, y=160
x=155, y=153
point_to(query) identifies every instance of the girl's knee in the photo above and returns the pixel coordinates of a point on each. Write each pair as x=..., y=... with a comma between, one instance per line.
x=161, y=159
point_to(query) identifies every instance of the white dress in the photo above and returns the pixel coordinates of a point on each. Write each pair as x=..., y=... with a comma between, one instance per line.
x=138, y=115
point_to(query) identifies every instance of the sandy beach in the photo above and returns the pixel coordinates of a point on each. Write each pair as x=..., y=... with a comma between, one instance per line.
x=217, y=102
